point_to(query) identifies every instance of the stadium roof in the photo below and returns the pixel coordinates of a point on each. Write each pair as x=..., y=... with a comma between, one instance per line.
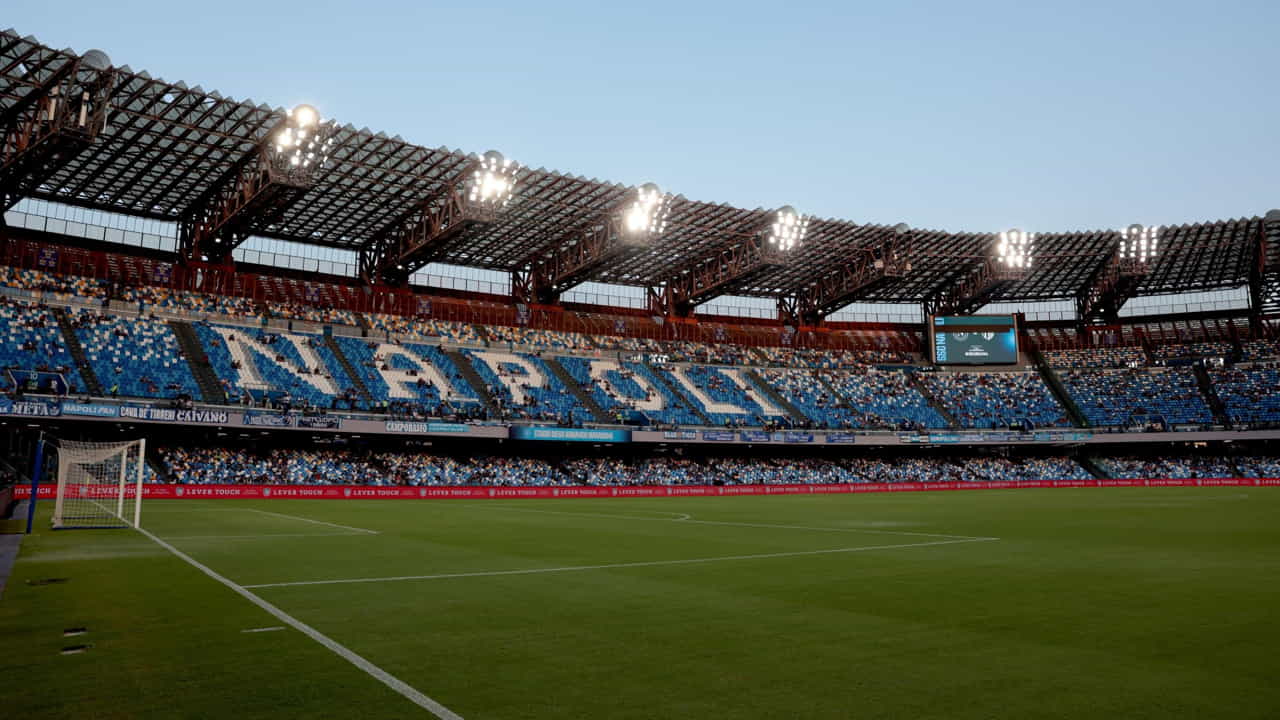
x=166, y=143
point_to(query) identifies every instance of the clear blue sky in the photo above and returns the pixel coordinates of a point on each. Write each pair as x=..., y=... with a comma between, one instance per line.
x=961, y=116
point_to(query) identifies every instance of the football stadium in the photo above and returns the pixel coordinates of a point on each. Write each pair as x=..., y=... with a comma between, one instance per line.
x=266, y=455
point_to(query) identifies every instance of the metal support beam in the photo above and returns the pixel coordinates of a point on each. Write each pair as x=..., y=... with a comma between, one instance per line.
x=476, y=198
x=631, y=225
x=734, y=264
x=719, y=273
x=889, y=257
x=659, y=300
x=250, y=196
x=413, y=242
x=1264, y=275
x=574, y=261
x=974, y=290
x=1006, y=262
x=1115, y=283
x=53, y=123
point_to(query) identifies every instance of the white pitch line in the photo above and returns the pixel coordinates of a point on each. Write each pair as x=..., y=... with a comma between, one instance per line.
x=832, y=529
x=678, y=516
x=152, y=509
x=382, y=676
x=648, y=563
x=263, y=537
x=689, y=519
x=311, y=520
x=273, y=628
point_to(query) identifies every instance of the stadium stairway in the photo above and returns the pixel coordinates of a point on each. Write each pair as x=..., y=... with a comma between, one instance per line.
x=349, y=369
x=473, y=379
x=1093, y=467
x=831, y=390
x=198, y=361
x=764, y=387
x=933, y=401
x=1211, y=398
x=74, y=347
x=585, y=398
x=482, y=332
x=693, y=405
x=1059, y=390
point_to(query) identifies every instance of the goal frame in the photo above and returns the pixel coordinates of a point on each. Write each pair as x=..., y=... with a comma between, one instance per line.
x=122, y=487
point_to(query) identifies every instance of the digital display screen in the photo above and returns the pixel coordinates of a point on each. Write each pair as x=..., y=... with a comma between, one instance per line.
x=975, y=340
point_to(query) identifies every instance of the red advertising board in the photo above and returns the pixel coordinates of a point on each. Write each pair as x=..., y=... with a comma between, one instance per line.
x=362, y=492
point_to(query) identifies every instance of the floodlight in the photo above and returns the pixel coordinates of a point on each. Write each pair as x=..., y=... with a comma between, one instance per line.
x=300, y=142
x=647, y=213
x=1140, y=243
x=788, y=229
x=494, y=180
x=1016, y=249
x=96, y=60
x=304, y=116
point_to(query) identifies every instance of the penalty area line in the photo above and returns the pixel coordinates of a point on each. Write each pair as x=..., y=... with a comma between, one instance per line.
x=404, y=689
x=266, y=536
x=610, y=566
x=685, y=518
x=312, y=520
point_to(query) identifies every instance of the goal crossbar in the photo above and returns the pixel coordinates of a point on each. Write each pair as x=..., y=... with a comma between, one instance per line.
x=99, y=484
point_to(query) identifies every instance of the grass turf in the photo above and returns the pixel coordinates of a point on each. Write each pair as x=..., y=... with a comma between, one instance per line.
x=1106, y=602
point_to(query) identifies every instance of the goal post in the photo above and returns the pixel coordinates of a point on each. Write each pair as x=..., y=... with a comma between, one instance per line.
x=99, y=484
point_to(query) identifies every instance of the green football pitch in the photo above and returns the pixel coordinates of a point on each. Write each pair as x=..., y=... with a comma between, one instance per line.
x=1104, y=603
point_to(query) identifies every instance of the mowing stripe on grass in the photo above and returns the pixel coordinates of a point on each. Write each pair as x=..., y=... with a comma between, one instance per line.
x=647, y=563
x=686, y=518
x=311, y=520
x=382, y=676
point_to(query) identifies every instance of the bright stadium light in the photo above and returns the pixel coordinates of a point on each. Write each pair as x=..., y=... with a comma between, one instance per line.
x=1140, y=243
x=788, y=229
x=1016, y=248
x=301, y=141
x=646, y=215
x=494, y=180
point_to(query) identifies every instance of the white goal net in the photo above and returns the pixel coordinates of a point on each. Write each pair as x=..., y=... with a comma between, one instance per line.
x=99, y=484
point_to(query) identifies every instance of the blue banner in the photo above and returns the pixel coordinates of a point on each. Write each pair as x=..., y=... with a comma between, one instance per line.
x=1001, y=437
x=797, y=437
x=29, y=408
x=444, y=427
x=524, y=432
x=320, y=422
x=202, y=417
x=755, y=436
x=418, y=427
x=1061, y=436
x=89, y=409
x=841, y=438
x=267, y=420
x=717, y=436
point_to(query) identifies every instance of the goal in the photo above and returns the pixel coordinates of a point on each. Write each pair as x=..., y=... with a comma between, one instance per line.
x=99, y=484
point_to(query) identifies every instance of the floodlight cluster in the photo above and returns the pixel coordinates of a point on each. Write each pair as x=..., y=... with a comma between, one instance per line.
x=301, y=143
x=647, y=213
x=1016, y=248
x=1140, y=243
x=788, y=229
x=494, y=180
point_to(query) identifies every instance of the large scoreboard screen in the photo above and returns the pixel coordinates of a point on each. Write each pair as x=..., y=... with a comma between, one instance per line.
x=974, y=340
